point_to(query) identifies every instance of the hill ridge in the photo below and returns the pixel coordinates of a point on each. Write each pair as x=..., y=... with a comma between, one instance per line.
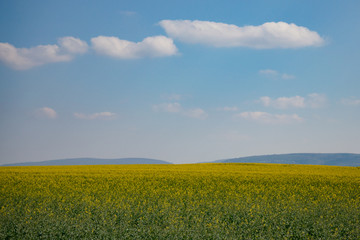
x=90, y=161
x=331, y=159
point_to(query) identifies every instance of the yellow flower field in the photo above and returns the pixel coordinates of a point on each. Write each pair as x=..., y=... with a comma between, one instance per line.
x=194, y=201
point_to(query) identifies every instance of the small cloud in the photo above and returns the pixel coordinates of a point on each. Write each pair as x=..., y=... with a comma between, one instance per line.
x=316, y=100
x=313, y=100
x=228, y=109
x=265, y=36
x=351, y=101
x=26, y=58
x=196, y=113
x=128, y=13
x=158, y=46
x=176, y=108
x=46, y=112
x=101, y=115
x=286, y=76
x=270, y=73
x=283, y=102
x=73, y=45
x=168, y=107
x=268, y=118
x=172, y=97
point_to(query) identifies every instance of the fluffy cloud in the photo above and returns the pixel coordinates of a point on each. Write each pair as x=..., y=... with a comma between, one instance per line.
x=316, y=100
x=46, y=112
x=228, y=109
x=195, y=113
x=275, y=74
x=283, y=102
x=172, y=97
x=313, y=100
x=287, y=76
x=269, y=72
x=268, y=118
x=168, y=107
x=128, y=13
x=351, y=101
x=267, y=35
x=26, y=58
x=68, y=47
x=73, y=45
x=101, y=115
x=158, y=46
x=178, y=109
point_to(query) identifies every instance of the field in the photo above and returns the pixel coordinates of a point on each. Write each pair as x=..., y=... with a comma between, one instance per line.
x=196, y=201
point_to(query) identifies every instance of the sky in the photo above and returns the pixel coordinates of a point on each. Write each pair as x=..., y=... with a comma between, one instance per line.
x=181, y=81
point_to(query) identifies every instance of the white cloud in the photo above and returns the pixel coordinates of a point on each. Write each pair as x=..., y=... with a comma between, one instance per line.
x=313, y=100
x=171, y=97
x=128, y=13
x=316, y=100
x=26, y=58
x=228, y=109
x=101, y=115
x=168, y=107
x=73, y=45
x=267, y=35
x=270, y=73
x=283, y=102
x=176, y=108
x=268, y=118
x=351, y=101
x=286, y=76
x=157, y=46
x=46, y=112
x=196, y=113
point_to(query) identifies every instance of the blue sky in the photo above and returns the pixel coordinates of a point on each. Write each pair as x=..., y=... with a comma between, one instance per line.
x=182, y=81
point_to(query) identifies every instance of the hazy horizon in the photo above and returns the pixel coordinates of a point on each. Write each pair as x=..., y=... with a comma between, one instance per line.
x=179, y=81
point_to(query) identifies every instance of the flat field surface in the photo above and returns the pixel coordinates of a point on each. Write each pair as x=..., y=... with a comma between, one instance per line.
x=195, y=201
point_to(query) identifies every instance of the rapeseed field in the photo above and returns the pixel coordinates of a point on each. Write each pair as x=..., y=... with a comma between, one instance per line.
x=195, y=201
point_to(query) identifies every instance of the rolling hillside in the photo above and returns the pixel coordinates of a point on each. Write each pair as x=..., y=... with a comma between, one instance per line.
x=333, y=159
x=91, y=161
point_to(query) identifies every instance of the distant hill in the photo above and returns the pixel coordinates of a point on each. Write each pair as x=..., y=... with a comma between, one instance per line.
x=333, y=159
x=90, y=161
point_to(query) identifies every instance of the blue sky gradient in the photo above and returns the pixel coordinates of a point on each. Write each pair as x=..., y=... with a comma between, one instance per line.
x=173, y=99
